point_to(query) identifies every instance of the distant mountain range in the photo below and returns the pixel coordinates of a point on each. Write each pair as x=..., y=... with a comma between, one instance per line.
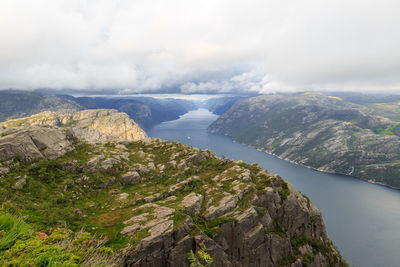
x=16, y=103
x=349, y=133
x=321, y=131
x=146, y=111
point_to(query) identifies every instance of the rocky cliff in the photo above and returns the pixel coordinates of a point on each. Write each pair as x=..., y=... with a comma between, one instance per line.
x=319, y=131
x=90, y=125
x=156, y=200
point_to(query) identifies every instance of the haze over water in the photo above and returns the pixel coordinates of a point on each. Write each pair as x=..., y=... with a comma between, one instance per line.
x=362, y=219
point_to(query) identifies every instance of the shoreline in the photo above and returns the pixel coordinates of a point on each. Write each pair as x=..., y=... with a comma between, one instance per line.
x=312, y=168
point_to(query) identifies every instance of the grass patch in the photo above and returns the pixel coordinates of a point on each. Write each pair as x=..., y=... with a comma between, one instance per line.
x=284, y=192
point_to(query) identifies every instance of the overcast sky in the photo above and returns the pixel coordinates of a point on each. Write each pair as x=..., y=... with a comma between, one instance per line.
x=200, y=46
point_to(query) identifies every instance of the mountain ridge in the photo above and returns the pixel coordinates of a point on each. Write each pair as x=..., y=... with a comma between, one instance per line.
x=318, y=131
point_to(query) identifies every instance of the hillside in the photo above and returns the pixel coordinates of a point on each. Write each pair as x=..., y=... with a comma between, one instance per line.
x=154, y=201
x=146, y=111
x=16, y=103
x=220, y=105
x=319, y=131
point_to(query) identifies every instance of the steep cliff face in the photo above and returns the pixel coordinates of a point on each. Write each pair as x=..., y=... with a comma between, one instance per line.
x=270, y=226
x=157, y=200
x=319, y=131
x=91, y=125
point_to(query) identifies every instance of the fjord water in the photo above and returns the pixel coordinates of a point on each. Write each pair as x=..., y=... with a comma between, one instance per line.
x=362, y=219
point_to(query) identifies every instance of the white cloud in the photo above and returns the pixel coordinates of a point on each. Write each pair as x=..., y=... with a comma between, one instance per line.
x=200, y=46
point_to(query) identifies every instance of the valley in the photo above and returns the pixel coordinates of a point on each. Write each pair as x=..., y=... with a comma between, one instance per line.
x=153, y=200
x=361, y=218
x=110, y=168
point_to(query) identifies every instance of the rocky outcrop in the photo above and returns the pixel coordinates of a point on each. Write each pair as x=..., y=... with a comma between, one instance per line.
x=271, y=231
x=35, y=142
x=105, y=125
x=158, y=212
x=98, y=125
x=322, y=132
x=244, y=216
x=192, y=204
x=131, y=177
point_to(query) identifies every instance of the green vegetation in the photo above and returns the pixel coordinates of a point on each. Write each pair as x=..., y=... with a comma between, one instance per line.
x=317, y=247
x=21, y=246
x=389, y=110
x=277, y=229
x=201, y=259
x=393, y=129
x=284, y=192
x=210, y=227
x=82, y=190
x=319, y=131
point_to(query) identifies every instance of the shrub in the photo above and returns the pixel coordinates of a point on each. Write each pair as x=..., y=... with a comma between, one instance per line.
x=20, y=246
x=202, y=259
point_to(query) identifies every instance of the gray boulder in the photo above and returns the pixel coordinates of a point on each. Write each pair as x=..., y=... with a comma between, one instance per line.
x=131, y=177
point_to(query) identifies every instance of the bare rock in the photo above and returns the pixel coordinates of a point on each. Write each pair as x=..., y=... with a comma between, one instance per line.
x=192, y=204
x=131, y=177
x=109, y=163
x=123, y=196
x=94, y=125
x=19, y=184
x=225, y=205
x=32, y=143
x=182, y=165
x=172, y=163
x=4, y=170
x=152, y=198
x=176, y=187
x=93, y=163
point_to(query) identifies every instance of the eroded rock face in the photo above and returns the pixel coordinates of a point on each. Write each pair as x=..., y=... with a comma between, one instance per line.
x=35, y=143
x=97, y=125
x=273, y=226
x=192, y=203
x=261, y=235
x=106, y=125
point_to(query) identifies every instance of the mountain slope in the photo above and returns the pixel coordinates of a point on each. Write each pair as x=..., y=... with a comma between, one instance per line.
x=16, y=103
x=220, y=105
x=146, y=111
x=319, y=131
x=156, y=200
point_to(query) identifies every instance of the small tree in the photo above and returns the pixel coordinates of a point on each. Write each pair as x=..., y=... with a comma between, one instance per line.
x=203, y=259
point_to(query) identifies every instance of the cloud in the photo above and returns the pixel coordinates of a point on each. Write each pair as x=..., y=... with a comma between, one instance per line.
x=200, y=46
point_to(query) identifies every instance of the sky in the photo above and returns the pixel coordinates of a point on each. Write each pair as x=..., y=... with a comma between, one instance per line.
x=207, y=46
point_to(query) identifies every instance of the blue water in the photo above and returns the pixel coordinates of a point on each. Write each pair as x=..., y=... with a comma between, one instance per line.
x=362, y=219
